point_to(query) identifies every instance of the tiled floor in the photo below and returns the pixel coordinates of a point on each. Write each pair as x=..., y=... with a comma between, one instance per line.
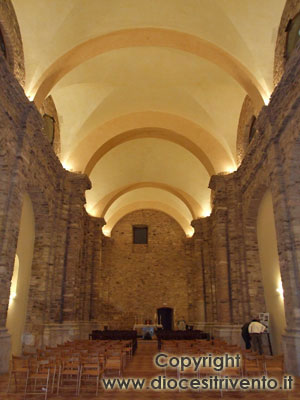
x=142, y=366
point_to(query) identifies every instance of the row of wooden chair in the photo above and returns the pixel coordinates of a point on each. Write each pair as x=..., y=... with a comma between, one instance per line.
x=252, y=364
x=71, y=366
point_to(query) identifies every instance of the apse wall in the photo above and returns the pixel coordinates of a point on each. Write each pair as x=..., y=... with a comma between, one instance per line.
x=137, y=279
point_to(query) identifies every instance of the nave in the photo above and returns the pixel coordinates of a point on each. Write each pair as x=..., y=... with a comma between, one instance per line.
x=142, y=366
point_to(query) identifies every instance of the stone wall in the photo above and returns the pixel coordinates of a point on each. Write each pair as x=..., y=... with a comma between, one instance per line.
x=136, y=279
x=13, y=41
x=291, y=9
x=63, y=228
x=271, y=161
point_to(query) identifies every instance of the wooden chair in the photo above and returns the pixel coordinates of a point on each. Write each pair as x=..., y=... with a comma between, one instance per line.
x=68, y=376
x=113, y=363
x=252, y=365
x=19, y=370
x=273, y=366
x=90, y=371
x=37, y=381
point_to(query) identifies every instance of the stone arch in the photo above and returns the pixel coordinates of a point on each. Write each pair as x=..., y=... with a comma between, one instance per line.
x=291, y=9
x=184, y=224
x=157, y=133
x=38, y=310
x=193, y=136
x=270, y=269
x=148, y=37
x=17, y=311
x=252, y=262
x=13, y=41
x=191, y=204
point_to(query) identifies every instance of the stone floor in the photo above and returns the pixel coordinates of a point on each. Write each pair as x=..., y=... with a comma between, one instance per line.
x=142, y=366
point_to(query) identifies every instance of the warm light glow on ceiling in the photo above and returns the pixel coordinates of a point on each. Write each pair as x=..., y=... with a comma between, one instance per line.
x=190, y=232
x=29, y=95
x=206, y=211
x=106, y=231
x=90, y=210
x=267, y=98
x=67, y=166
x=230, y=169
x=279, y=290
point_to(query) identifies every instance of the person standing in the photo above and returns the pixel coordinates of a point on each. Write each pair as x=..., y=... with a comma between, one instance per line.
x=255, y=330
x=246, y=335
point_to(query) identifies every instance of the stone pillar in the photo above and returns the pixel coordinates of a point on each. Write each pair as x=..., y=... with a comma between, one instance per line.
x=77, y=184
x=91, y=264
x=223, y=226
x=198, y=274
x=219, y=218
x=194, y=274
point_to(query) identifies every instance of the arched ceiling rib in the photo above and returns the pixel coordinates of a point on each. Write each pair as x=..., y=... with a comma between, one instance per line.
x=149, y=37
x=244, y=29
x=158, y=79
x=105, y=203
x=149, y=160
x=154, y=205
x=111, y=133
x=157, y=133
x=151, y=194
x=149, y=93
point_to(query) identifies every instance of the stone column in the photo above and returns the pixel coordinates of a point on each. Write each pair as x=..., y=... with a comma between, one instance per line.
x=205, y=272
x=198, y=280
x=98, y=223
x=222, y=220
x=78, y=184
x=219, y=218
x=91, y=264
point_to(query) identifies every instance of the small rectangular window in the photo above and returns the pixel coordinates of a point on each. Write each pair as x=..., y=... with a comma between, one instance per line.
x=140, y=234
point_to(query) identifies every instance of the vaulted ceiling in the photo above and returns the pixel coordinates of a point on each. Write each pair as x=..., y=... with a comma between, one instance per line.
x=149, y=92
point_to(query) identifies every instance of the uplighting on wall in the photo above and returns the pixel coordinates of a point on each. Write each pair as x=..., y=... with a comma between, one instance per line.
x=206, y=212
x=90, y=210
x=67, y=166
x=190, y=232
x=230, y=169
x=29, y=95
x=279, y=290
x=106, y=231
x=14, y=281
x=12, y=296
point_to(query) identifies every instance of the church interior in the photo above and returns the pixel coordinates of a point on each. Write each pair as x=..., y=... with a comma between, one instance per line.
x=149, y=160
